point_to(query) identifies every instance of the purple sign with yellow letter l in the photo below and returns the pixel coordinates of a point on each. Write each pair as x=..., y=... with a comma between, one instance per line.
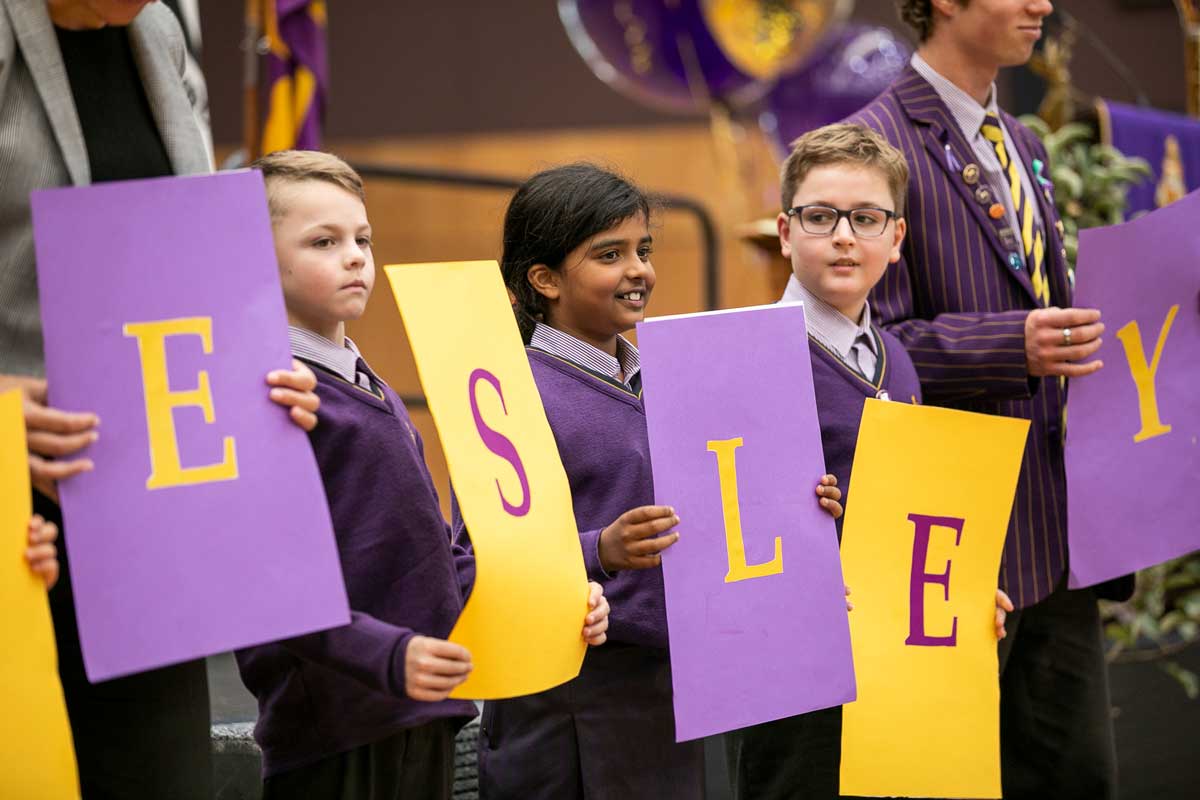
x=204, y=526
x=755, y=605
x=1135, y=423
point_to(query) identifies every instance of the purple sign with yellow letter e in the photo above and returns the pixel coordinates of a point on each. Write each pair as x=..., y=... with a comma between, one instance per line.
x=1135, y=423
x=755, y=606
x=203, y=527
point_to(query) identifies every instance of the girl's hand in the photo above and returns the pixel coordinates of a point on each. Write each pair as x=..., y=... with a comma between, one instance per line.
x=41, y=554
x=633, y=541
x=1003, y=606
x=433, y=667
x=830, y=495
x=595, y=624
x=849, y=605
x=293, y=389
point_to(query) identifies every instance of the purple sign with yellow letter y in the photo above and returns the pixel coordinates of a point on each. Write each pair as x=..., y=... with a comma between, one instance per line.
x=204, y=526
x=755, y=605
x=1136, y=422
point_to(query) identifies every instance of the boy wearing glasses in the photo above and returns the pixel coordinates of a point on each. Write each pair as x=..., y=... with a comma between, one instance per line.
x=843, y=189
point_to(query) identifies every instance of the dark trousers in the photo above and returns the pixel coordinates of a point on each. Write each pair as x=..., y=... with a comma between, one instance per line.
x=142, y=736
x=1056, y=732
x=607, y=735
x=1056, y=735
x=795, y=757
x=412, y=764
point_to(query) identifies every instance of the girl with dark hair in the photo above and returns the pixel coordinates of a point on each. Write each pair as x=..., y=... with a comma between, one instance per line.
x=576, y=260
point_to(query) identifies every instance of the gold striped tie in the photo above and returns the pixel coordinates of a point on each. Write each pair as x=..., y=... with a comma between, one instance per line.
x=1035, y=246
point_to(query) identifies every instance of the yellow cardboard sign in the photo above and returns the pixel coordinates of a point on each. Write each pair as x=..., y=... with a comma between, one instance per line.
x=523, y=622
x=924, y=530
x=37, y=758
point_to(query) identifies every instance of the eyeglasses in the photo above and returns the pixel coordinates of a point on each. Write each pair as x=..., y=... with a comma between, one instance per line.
x=866, y=222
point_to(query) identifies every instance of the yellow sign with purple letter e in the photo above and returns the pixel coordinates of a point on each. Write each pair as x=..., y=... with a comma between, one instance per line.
x=925, y=525
x=523, y=621
x=37, y=758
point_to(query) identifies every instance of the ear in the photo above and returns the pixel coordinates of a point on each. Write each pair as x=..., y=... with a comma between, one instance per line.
x=947, y=8
x=784, y=225
x=901, y=226
x=544, y=281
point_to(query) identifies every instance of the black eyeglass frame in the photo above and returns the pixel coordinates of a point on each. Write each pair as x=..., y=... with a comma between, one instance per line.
x=841, y=213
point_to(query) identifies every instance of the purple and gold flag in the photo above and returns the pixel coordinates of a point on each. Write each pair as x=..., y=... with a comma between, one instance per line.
x=297, y=74
x=1169, y=142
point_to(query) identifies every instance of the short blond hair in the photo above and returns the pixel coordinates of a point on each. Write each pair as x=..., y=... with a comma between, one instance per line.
x=844, y=143
x=294, y=166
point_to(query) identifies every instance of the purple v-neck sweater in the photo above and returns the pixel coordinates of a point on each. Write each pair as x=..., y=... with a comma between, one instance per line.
x=328, y=692
x=841, y=392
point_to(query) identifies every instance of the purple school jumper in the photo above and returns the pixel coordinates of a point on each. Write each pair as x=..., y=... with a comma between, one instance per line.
x=610, y=733
x=329, y=692
x=801, y=756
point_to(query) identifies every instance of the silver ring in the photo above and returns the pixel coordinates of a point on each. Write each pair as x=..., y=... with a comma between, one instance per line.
x=1066, y=337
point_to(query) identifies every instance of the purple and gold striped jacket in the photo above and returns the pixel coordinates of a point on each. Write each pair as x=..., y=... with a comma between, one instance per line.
x=959, y=308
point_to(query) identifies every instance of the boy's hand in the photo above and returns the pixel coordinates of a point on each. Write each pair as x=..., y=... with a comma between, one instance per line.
x=830, y=496
x=52, y=435
x=631, y=543
x=595, y=624
x=433, y=667
x=41, y=554
x=1003, y=606
x=1057, y=337
x=294, y=389
x=849, y=605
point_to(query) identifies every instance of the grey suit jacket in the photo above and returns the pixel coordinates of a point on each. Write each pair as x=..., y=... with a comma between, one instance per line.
x=42, y=145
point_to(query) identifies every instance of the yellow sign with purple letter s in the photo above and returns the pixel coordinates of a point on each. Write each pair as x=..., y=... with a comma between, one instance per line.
x=523, y=621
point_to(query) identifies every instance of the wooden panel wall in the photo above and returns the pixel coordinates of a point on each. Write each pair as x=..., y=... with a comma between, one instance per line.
x=416, y=222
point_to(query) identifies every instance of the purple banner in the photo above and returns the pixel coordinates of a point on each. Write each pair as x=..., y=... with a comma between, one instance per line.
x=755, y=605
x=1169, y=142
x=204, y=526
x=1135, y=423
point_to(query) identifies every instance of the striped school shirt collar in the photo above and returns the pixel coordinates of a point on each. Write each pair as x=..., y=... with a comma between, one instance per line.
x=831, y=327
x=564, y=345
x=341, y=361
x=967, y=112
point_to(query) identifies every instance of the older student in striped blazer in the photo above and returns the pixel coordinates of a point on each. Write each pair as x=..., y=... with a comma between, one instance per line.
x=982, y=301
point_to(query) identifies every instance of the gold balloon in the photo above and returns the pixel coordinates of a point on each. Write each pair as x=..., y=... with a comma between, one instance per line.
x=764, y=38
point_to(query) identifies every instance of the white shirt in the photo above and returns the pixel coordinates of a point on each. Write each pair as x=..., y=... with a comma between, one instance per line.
x=852, y=342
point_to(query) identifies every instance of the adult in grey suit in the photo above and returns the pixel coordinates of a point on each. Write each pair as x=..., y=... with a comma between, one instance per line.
x=981, y=300
x=81, y=101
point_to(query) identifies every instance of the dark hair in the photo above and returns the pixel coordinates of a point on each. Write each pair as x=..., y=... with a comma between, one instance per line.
x=919, y=15
x=550, y=215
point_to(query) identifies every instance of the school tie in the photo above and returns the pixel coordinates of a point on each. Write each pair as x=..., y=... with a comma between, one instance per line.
x=864, y=356
x=1035, y=247
x=364, y=378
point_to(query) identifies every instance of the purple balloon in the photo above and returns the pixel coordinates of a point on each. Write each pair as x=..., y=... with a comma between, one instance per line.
x=658, y=52
x=848, y=69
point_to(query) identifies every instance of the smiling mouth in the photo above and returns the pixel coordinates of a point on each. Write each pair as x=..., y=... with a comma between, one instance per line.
x=636, y=296
x=837, y=264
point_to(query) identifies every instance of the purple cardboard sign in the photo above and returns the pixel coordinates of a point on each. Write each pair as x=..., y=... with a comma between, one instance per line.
x=755, y=606
x=204, y=526
x=1135, y=423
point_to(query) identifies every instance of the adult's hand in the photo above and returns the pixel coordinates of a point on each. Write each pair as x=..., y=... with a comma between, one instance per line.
x=1057, y=338
x=52, y=435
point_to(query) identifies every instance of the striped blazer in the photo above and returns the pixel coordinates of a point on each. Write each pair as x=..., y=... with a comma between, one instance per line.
x=42, y=144
x=959, y=308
